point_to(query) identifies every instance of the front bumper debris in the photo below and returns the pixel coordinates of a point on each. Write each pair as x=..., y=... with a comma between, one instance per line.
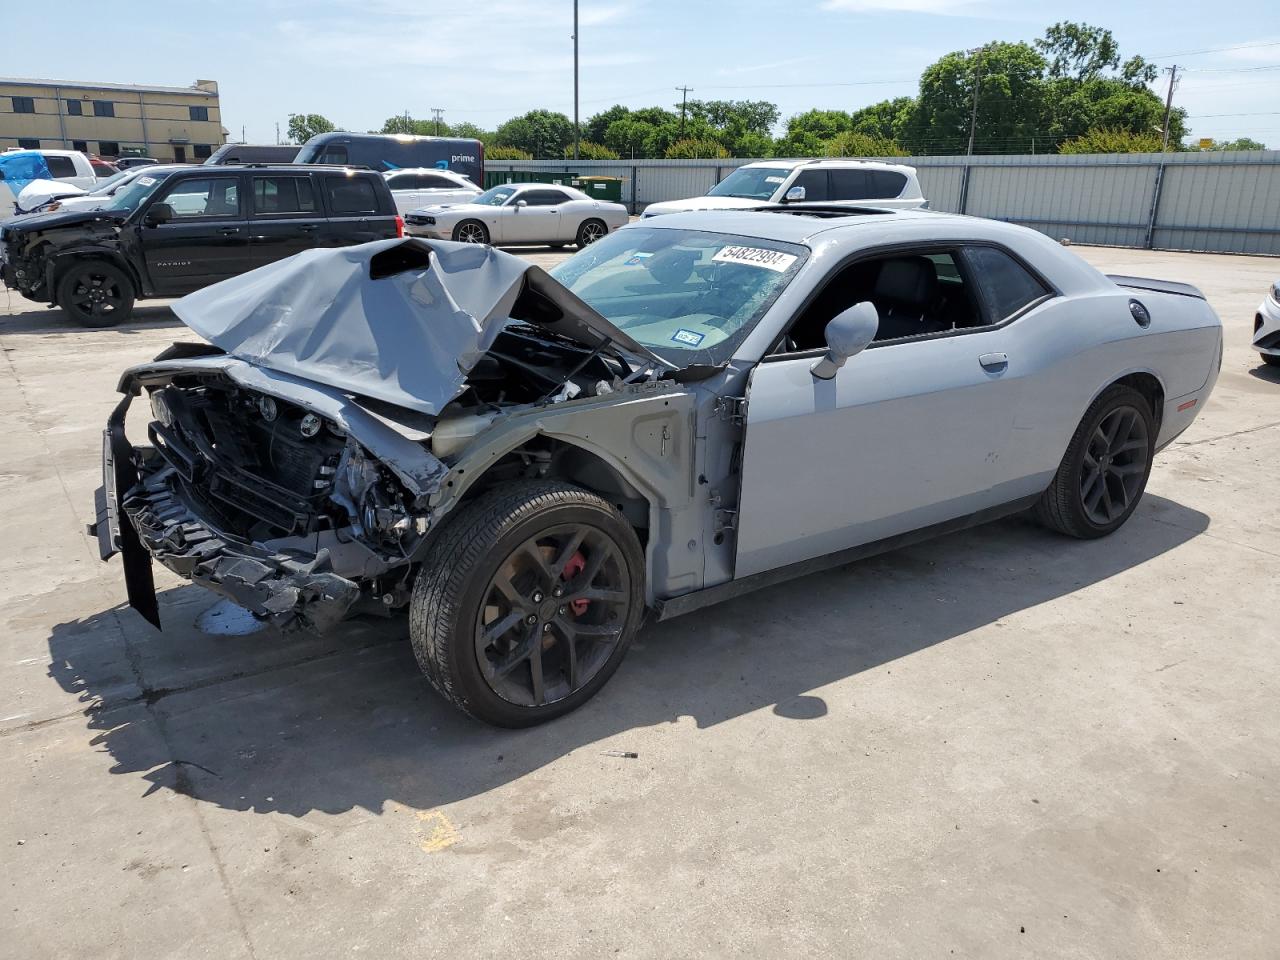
x=142, y=520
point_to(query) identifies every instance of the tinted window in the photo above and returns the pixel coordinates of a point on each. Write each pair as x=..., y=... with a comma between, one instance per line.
x=334, y=155
x=24, y=105
x=849, y=185
x=104, y=108
x=60, y=167
x=199, y=113
x=283, y=195
x=885, y=184
x=100, y=169
x=218, y=197
x=203, y=151
x=543, y=198
x=405, y=181
x=350, y=195
x=75, y=108
x=814, y=183
x=1006, y=285
x=429, y=182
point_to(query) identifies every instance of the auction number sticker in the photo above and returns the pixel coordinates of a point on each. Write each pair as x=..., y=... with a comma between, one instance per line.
x=146, y=181
x=691, y=337
x=774, y=260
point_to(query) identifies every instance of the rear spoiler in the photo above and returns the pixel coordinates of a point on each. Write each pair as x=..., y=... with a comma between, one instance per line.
x=1156, y=286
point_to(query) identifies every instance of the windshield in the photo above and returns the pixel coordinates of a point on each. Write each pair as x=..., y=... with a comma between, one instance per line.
x=109, y=184
x=751, y=183
x=132, y=195
x=687, y=295
x=495, y=197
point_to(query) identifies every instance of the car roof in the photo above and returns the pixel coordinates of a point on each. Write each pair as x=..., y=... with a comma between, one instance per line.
x=447, y=173
x=840, y=163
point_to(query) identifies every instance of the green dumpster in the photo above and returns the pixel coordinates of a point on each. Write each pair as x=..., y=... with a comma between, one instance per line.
x=599, y=188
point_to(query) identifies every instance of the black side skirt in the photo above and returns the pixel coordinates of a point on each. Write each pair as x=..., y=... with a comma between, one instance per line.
x=687, y=603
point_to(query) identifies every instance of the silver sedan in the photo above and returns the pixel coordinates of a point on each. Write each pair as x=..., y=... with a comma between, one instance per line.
x=521, y=213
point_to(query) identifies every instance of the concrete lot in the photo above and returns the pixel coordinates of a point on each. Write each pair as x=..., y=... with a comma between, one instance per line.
x=1002, y=743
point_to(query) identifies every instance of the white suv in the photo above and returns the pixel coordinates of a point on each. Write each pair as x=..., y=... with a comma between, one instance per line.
x=811, y=181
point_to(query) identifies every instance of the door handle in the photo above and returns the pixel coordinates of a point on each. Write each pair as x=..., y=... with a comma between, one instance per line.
x=994, y=362
x=308, y=228
x=229, y=231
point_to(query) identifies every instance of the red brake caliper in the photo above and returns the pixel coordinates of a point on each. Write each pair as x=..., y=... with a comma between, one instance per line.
x=571, y=569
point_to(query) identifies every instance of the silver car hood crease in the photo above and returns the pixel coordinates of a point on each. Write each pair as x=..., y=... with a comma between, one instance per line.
x=403, y=321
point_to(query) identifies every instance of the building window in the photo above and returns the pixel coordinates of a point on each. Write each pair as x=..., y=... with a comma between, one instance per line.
x=199, y=113
x=24, y=105
x=26, y=143
x=108, y=148
x=203, y=151
x=81, y=145
x=104, y=108
x=75, y=108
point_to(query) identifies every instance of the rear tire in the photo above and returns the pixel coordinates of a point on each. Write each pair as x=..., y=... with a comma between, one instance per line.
x=527, y=602
x=471, y=231
x=1105, y=469
x=589, y=231
x=95, y=293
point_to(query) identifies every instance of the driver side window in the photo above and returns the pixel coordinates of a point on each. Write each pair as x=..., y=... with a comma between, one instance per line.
x=915, y=294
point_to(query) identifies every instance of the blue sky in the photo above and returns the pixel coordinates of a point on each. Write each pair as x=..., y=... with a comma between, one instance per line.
x=360, y=61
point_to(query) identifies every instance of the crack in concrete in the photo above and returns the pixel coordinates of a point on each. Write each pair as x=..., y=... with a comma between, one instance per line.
x=1228, y=436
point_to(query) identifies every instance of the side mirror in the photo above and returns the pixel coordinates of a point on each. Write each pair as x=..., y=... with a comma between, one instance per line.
x=521, y=203
x=794, y=195
x=848, y=334
x=158, y=214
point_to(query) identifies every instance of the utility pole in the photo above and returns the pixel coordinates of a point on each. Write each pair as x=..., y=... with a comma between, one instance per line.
x=577, y=132
x=439, y=112
x=684, y=100
x=1168, y=107
x=242, y=139
x=277, y=132
x=977, y=84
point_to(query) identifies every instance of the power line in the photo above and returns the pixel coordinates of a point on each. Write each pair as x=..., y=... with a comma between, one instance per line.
x=1238, y=46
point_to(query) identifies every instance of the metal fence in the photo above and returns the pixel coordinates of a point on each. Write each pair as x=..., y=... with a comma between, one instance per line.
x=1226, y=202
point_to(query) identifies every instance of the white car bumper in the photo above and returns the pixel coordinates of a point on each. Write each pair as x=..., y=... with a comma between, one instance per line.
x=1266, y=327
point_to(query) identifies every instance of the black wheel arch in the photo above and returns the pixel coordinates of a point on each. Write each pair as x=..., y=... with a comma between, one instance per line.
x=60, y=261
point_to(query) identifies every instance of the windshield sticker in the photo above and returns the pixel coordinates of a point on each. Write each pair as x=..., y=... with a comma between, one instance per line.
x=774, y=179
x=688, y=336
x=638, y=258
x=756, y=257
x=146, y=181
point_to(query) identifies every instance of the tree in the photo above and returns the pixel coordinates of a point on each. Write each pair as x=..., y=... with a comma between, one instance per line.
x=1009, y=78
x=740, y=126
x=1241, y=143
x=885, y=119
x=1078, y=51
x=597, y=125
x=696, y=150
x=627, y=136
x=590, y=151
x=506, y=153
x=855, y=144
x=1112, y=140
x=417, y=128
x=472, y=132
x=542, y=133
x=1107, y=103
x=304, y=126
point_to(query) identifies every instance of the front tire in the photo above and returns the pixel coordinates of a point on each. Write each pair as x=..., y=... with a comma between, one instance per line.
x=527, y=602
x=590, y=231
x=95, y=293
x=471, y=231
x=1105, y=469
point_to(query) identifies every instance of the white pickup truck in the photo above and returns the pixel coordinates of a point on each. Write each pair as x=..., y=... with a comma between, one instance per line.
x=20, y=168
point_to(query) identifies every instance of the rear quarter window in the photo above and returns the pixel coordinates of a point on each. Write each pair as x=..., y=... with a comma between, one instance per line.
x=885, y=184
x=350, y=195
x=1005, y=284
x=61, y=166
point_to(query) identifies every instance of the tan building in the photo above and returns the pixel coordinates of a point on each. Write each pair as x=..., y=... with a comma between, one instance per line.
x=182, y=124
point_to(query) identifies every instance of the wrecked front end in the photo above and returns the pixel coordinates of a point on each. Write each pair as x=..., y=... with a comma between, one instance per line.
x=254, y=486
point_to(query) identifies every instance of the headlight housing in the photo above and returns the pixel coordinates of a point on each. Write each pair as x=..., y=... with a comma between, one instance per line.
x=1275, y=293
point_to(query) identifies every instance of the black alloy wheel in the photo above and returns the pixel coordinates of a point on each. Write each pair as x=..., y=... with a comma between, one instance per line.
x=471, y=231
x=590, y=232
x=96, y=294
x=1115, y=465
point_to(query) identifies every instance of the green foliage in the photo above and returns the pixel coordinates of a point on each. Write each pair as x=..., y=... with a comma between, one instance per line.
x=472, y=132
x=743, y=127
x=304, y=126
x=416, y=128
x=1107, y=103
x=595, y=128
x=1241, y=143
x=590, y=151
x=627, y=136
x=696, y=150
x=1078, y=51
x=1112, y=140
x=542, y=133
x=855, y=144
x=506, y=153
x=886, y=119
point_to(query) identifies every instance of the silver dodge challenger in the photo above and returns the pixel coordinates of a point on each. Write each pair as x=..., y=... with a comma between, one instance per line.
x=530, y=463
x=520, y=213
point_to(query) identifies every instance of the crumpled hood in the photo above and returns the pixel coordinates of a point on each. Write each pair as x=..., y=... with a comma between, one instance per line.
x=702, y=203
x=402, y=321
x=38, y=191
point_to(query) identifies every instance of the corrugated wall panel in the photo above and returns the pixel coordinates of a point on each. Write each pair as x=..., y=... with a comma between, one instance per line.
x=1216, y=202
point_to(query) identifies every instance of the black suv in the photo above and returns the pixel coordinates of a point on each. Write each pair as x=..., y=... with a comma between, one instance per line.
x=172, y=232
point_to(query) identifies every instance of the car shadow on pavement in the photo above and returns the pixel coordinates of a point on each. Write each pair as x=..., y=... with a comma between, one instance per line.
x=50, y=320
x=297, y=723
x=1265, y=371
